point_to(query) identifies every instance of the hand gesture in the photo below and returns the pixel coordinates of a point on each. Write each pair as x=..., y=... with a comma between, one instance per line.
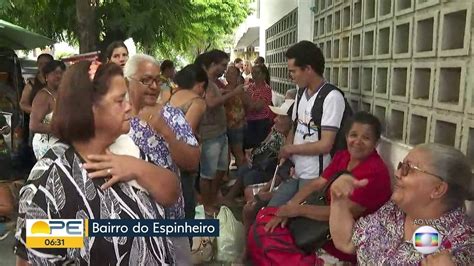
x=118, y=168
x=153, y=117
x=344, y=185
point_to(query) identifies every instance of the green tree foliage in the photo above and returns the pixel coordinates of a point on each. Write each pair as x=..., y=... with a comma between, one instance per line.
x=167, y=27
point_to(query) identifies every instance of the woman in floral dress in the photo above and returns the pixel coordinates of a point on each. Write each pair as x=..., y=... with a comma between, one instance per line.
x=432, y=184
x=162, y=133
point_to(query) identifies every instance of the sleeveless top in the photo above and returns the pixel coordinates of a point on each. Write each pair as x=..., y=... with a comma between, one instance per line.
x=42, y=141
x=214, y=122
x=36, y=86
x=185, y=107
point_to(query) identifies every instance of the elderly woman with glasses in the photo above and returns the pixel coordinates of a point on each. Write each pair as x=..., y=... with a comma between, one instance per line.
x=162, y=133
x=432, y=184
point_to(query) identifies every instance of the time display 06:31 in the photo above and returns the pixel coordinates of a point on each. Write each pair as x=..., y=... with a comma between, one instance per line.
x=55, y=242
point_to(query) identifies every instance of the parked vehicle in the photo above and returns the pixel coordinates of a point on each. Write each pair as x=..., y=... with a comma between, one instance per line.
x=28, y=68
x=11, y=87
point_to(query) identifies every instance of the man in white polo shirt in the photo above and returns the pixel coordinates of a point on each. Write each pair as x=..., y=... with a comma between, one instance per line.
x=304, y=145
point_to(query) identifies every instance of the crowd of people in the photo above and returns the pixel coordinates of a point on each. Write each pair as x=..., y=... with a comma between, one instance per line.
x=132, y=138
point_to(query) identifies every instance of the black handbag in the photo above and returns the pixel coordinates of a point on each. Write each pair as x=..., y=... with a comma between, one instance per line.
x=265, y=161
x=311, y=235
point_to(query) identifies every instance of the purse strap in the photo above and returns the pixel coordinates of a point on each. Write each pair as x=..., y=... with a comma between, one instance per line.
x=322, y=194
x=333, y=178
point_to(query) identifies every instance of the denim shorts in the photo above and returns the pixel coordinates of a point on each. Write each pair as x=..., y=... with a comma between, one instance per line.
x=214, y=156
x=235, y=135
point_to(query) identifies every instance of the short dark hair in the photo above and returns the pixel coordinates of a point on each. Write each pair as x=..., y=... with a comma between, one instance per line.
x=305, y=54
x=216, y=56
x=260, y=60
x=112, y=46
x=187, y=77
x=73, y=118
x=50, y=57
x=51, y=66
x=366, y=118
x=203, y=60
x=166, y=64
x=238, y=60
x=262, y=69
x=265, y=71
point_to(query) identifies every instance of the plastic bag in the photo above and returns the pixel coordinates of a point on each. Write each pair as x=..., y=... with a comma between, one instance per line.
x=230, y=242
x=202, y=249
x=199, y=212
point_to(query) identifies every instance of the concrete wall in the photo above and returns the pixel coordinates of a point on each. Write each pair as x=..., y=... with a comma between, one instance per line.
x=272, y=11
x=409, y=62
x=406, y=61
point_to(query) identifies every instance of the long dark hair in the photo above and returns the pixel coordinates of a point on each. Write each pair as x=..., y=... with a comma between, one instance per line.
x=112, y=46
x=264, y=71
x=37, y=85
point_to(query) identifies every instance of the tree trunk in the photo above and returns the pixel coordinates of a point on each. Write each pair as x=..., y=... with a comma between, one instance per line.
x=87, y=25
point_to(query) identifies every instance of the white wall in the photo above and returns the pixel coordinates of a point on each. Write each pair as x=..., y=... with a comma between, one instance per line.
x=270, y=12
x=305, y=18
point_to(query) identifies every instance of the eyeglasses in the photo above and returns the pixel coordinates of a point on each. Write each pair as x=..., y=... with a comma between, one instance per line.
x=405, y=167
x=148, y=81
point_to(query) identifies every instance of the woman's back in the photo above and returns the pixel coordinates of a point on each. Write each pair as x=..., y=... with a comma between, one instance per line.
x=183, y=99
x=36, y=86
x=43, y=141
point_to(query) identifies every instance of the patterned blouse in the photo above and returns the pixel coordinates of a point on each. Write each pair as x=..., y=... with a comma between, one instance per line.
x=58, y=188
x=156, y=148
x=379, y=237
x=235, y=112
x=264, y=94
x=273, y=144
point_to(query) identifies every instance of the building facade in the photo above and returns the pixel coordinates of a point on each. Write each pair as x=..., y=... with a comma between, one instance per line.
x=409, y=62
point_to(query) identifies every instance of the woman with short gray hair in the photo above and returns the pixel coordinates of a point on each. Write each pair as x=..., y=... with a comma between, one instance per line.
x=432, y=184
x=162, y=133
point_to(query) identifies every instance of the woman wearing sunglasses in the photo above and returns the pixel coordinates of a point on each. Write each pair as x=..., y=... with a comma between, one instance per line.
x=432, y=184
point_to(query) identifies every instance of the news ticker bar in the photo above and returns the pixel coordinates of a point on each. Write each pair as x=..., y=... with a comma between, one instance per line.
x=172, y=228
x=69, y=233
